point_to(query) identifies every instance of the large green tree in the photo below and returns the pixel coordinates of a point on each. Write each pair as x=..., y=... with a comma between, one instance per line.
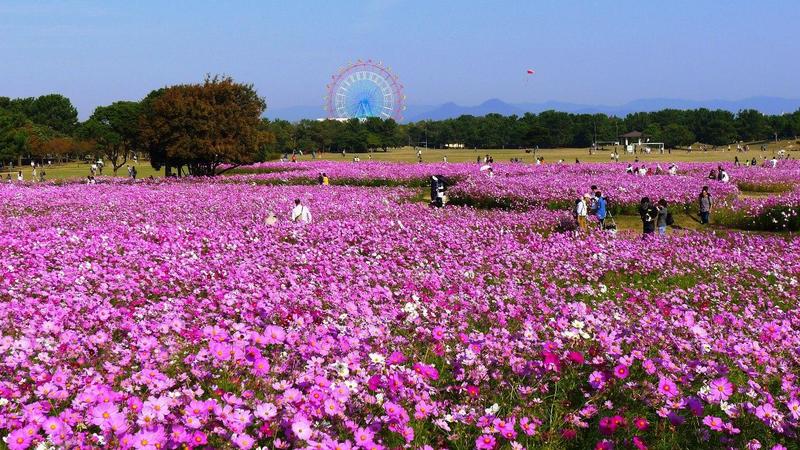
x=203, y=126
x=115, y=131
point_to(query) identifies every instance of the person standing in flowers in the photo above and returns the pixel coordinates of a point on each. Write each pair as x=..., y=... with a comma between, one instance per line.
x=648, y=214
x=325, y=180
x=582, y=211
x=300, y=212
x=663, y=217
x=600, y=208
x=705, y=205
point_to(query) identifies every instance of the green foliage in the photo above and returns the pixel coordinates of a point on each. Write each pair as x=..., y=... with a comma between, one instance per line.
x=13, y=135
x=771, y=218
x=675, y=135
x=202, y=126
x=115, y=131
x=549, y=129
x=54, y=111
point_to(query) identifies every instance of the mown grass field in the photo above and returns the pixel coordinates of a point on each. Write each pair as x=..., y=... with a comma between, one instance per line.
x=80, y=170
x=409, y=154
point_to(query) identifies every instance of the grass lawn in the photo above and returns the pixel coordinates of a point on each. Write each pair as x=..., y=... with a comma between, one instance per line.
x=682, y=222
x=409, y=154
x=81, y=170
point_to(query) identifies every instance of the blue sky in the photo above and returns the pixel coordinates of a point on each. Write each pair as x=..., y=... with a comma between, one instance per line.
x=467, y=51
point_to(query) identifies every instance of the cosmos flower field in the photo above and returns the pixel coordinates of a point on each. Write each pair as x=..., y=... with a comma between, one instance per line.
x=172, y=314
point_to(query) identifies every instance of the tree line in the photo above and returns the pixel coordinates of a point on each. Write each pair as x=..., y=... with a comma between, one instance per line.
x=205, y=128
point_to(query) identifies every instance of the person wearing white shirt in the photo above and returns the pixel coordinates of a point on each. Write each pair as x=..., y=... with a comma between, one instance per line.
x=673, y=169
x=724, y=177
x=582, y=212
x=300, y=212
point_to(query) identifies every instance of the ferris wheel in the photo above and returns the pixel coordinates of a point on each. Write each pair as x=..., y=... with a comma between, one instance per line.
x=365, y=89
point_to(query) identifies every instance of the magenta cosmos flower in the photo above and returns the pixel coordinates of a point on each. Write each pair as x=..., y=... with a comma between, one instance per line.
x=667, y=387
x=485, y=442
x=720, y=390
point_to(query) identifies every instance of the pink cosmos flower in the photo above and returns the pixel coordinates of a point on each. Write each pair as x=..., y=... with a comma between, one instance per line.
x=529, y=426
x=794, y=408
x=266, y=411
x=720, y=390
x=364, y=436
x=597, y=379
x=641, y=423
x=102, y=413
x=621, y=371
x=437, y=333
x=396, y=358
x=340, y=392
x=292, y=395
x=551, y=361
x=393, y=410
x=243, y=441
x=135, y=404
x=485, y=442
x=576, y=357
x=332, y=407
x=18, y=440
x=649, y=366
x=53, y=425
x=766, y=412
x=667, y=387
x=335, y=445
x=421, y=410
x=274, y=334
x=199, y=438
x=604, y=445
x=715, y=423
x=148, y=440
x=220, y=351
x=426, y=371
x=639, y=443
x=302, y=429
x=316, y=396
x=260, y=366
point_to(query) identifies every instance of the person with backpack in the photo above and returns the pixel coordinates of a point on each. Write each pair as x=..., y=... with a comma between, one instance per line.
x=600, y=209
x=648, y=214
x=664, y=217
x=705, y=205
x=300, y=213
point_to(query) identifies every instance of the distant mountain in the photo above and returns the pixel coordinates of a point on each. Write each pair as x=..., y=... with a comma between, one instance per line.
x=450, y=110
x=414, y=113
x=295, y=113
